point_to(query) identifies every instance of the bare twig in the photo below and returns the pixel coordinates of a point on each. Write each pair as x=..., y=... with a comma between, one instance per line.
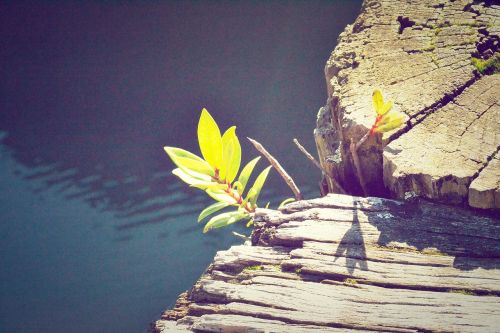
x=308, y=155
x=357, y=166
x=274, y=162
x=317, y=164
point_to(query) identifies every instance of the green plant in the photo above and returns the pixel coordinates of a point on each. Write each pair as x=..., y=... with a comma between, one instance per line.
x=216, y=173
x=253, y=268
x=386, y=120
x=489, y=66
x=462, y=292
x=350, y=281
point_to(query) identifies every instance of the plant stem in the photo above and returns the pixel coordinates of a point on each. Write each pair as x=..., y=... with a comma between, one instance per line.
x=274, y=162
x=231, y=192
x=317, y=164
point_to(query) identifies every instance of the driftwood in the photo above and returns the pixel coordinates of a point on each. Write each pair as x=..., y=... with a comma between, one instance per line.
x=350, y=264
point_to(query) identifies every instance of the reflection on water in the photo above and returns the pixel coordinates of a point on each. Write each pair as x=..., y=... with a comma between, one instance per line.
x=133, y=201
x=96, y=234
x=66, y=263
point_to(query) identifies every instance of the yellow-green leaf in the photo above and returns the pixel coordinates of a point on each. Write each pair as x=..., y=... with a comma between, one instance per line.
x=250, y=195
x=238, y=187
x=188, y=161
x=390, y=121
x=212, y=209
x=244, y=202
x=378, y=101
x=225, y=219
x=247, y=172
x=191, y=178
x=285, y=202
x=221, y=196
x=211, y=186
x=380, y=107
x=257, y=185
x=387, y=107
x=209, y=139
x=231, y=155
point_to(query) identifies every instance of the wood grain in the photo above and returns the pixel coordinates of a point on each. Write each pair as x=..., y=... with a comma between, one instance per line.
x=349, y=264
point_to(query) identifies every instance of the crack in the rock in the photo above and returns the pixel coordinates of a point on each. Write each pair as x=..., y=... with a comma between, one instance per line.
x=404, y=22
x=476, y=119
x=424, y=113
x=395, y=285
x=468, y=8
x=298, y=321
x=478, y=172
x=447, y=98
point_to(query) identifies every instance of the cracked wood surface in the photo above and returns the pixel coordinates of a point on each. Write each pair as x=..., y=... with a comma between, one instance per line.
x=349, y=264
x=418, y=52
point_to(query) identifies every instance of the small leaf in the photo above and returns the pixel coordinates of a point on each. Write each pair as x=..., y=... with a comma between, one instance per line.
x=225, y=219
x=378, y=101
x=267, y=205
x=387, y=107
x=396, y=123
x=231, y=155
x=238, y=187
x=250, y=223
x=243, y=203
x=209, y=139
x=187, y=161
x=212, y=209
x=390, y=121
x=250, y=195
x=221, y=196
x=211, y=186
x=390, y=117
x=380, y=107
x=247, y=172
x=285, y=202
x=191, y=178
x=259, y=182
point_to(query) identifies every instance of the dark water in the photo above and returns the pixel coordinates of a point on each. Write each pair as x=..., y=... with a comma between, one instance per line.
x=95, y=234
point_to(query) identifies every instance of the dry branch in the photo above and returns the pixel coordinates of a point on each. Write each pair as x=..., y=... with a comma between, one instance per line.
x=274, y=162
x=317, y=164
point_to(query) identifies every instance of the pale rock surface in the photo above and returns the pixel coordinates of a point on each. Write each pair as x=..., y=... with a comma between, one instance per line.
x=418, y=52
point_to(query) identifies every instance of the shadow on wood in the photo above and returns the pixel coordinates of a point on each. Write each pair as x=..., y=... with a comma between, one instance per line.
x=352, y=246
x=350, y=264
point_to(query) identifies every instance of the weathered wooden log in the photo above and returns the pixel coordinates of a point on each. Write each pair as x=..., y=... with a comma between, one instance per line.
x=420, y=54
x=351, y=264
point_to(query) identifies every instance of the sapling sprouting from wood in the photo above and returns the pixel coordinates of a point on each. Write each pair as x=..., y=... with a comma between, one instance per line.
x=386, y=120
x=216, y=174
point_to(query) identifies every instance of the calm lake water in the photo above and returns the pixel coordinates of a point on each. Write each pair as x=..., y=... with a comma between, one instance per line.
x=95, y=233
